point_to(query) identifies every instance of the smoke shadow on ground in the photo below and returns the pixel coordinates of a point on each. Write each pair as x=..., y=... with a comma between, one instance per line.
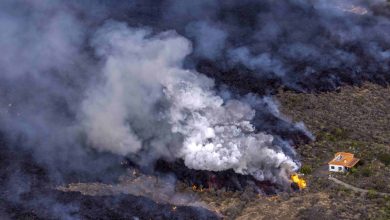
x=27, y=191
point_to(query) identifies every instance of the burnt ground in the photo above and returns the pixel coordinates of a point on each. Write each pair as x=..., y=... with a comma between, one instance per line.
x=27, y=192
x=104, y=207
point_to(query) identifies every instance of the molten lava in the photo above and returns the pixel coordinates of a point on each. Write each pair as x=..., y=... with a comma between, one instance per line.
x=301, y=183
x=197, y=188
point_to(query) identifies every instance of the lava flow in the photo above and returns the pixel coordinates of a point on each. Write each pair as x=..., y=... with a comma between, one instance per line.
x=300, y=182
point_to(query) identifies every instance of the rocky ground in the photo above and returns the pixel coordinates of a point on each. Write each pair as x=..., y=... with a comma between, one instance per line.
x=353, y=119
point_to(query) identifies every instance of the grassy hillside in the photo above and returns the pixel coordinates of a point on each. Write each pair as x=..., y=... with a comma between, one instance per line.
x=353, y=119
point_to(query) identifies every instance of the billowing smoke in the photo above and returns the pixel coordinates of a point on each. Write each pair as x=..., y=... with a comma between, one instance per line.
x=147, y=95
x=303, y=45
x=83, y=84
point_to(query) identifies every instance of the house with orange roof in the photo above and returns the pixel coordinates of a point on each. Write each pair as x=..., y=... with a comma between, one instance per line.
x=342, y=162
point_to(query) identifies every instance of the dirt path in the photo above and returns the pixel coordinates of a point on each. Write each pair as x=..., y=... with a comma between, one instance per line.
x=354, y=188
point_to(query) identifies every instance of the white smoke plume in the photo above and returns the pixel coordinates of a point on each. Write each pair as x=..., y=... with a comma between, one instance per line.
x=142, y=70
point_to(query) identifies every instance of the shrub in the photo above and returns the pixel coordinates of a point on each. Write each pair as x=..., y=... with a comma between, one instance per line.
x=372, y=194
x=340, y=133
x=306, y=169
x=380, y=184
x=327, y=137
x=355, y=144
x=366, y=171
x=384, y=158
x=353, y=170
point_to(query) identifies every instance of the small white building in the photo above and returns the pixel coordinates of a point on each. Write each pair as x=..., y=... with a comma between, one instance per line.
x=342, y=162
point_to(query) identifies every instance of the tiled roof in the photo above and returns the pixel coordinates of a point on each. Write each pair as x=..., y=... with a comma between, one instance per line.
x=344, y=159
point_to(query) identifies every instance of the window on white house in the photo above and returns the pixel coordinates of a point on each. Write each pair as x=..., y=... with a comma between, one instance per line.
x=332, y=167
x=340, y=168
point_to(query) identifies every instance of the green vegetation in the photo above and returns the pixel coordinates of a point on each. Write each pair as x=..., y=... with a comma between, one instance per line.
x=353, y=170
x=349, y=121
x=306, y=169
x=385, y=211
x=366, y=171
x=372, y=194
x=384, y=158
x=334, y=135
x=340, y=133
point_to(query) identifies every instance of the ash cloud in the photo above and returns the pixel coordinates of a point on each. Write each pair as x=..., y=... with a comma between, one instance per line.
x=304, y=45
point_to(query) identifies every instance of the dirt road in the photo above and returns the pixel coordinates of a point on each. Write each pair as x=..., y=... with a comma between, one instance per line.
x=354, y=188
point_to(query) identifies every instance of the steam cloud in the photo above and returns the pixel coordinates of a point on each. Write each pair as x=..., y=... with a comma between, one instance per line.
x=170, y=79
x=142, y=75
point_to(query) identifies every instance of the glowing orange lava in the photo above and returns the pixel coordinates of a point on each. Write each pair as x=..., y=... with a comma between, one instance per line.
x=197, y=188
x=299, y=181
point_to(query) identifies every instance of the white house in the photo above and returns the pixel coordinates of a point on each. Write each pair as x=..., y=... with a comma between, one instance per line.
x=342, y=162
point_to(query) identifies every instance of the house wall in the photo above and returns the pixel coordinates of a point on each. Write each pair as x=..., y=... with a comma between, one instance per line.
x=335, y=168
